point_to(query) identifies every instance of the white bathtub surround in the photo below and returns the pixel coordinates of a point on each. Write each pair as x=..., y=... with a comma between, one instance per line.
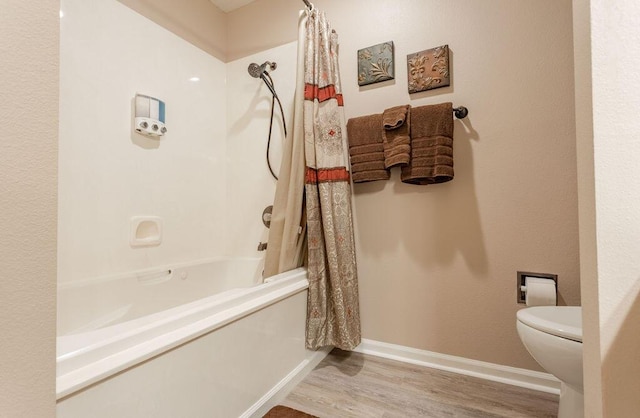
x=248, y=112
x=226, y=355
x=103, y=301
x=88, y=357
x=109, y=173
x=529, y=379
x=147, y=331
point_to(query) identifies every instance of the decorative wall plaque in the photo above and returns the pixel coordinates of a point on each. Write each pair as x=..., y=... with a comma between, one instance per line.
x=428, y=69
x=375, y=64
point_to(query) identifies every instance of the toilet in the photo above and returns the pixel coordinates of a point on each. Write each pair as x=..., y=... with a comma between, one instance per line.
x=553, y=337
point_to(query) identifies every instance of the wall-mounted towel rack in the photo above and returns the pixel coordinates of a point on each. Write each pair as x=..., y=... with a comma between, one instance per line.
x=461, y=112
x=309, y=5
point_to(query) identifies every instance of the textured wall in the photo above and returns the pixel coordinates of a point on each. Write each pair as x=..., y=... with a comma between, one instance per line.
x=616, y=52
x=28, y=164
x=438, y=263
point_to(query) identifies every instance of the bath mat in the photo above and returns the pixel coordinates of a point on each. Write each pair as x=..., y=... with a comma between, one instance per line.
x=286, y=412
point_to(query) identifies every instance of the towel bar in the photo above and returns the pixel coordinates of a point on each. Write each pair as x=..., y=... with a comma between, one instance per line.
x=461, y=112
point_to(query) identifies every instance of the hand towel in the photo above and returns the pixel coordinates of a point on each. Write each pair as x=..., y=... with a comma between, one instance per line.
x=431, y=145
x=396, y=122
x=366, y=149
x=394, y=117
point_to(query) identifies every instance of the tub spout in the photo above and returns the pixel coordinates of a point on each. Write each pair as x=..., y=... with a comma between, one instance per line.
x=262, y=246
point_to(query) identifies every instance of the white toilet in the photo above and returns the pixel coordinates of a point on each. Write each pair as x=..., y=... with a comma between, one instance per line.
x=553, y=337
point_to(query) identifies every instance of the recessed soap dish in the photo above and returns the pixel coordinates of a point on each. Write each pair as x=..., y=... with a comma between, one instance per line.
x=146, y=231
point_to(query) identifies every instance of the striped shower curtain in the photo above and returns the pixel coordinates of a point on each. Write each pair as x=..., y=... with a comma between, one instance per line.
x=333, y=314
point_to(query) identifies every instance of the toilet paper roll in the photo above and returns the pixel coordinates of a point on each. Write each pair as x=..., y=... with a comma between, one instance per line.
x=540, y=292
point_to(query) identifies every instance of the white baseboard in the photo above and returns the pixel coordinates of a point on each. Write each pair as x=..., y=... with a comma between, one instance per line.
x=529, y=379
x=280, y=391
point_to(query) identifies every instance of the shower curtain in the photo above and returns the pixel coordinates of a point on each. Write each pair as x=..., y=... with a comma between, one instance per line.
x=315, y=166
x=285, y=250
x=333, y=314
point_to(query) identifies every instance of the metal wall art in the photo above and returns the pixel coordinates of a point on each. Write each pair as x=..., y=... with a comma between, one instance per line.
x=428, y=69
x=375, y=64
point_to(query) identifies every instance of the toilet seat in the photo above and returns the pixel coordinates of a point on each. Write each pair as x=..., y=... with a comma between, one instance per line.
x=560, y=321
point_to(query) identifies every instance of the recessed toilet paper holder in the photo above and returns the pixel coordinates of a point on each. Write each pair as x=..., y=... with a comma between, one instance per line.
x=521, y=284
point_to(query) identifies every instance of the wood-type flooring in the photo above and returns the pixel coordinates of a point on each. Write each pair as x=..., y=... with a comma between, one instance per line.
x=347, y=384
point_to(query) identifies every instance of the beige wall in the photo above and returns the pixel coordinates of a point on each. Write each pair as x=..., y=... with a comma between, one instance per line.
x=196, y=21
x=262, y=25
x=438, y=263
x=28, y=164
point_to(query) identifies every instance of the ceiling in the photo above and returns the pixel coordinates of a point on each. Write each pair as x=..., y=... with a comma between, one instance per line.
x=229, y=5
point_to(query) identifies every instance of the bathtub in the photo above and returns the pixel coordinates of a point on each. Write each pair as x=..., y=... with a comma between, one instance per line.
x=201, y=339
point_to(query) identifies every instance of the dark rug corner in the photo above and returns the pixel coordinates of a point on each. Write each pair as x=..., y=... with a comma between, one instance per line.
x=280, y=411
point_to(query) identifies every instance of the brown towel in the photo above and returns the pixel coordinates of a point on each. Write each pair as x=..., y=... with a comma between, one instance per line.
x=370, y=175
x=368, y=166
x=366, y=149
x=431, y=145
x=394, y=117
x=396, y=122
x=365, y=158
x=364, y=130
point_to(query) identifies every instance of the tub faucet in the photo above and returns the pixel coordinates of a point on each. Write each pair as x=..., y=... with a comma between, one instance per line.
x=262, y=246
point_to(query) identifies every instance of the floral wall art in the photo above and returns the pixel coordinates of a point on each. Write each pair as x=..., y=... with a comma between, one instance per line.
x=375, y=64
x=428, y=69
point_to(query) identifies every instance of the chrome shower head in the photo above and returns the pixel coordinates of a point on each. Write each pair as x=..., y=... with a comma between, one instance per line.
x=256, y=70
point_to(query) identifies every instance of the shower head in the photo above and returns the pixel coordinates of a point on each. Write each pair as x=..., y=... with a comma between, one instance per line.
x=256, y=70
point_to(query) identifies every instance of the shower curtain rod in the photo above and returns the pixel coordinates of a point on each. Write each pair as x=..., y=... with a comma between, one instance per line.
x=461, y=112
